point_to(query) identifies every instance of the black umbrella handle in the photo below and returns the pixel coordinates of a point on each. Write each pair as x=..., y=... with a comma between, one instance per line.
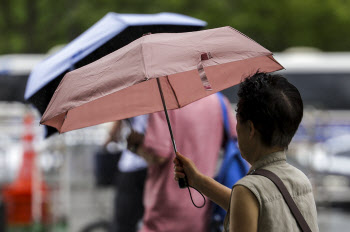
x=182, y=181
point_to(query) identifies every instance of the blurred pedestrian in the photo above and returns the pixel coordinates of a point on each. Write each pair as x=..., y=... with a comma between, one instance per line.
x=198, y=131
x=128, y=205
x=269, y=112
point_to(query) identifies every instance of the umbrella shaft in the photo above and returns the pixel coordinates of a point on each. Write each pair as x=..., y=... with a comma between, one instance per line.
x=166, y=114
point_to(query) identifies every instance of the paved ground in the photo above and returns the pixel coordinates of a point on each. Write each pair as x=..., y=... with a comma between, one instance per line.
x=333, y=220
x=90, y=205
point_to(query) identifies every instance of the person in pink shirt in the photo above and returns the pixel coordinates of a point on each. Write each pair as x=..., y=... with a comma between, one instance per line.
x=198, y=130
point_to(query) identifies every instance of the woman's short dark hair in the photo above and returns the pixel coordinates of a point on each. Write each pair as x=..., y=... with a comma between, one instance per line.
x=273, y=105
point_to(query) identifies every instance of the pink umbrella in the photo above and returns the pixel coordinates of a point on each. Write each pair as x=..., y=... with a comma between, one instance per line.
x=183, y=67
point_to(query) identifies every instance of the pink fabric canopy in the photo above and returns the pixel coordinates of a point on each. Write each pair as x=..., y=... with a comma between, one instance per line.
x=123, y=84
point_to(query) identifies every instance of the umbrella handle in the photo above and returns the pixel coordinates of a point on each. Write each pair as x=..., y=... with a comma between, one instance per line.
x=182, y=181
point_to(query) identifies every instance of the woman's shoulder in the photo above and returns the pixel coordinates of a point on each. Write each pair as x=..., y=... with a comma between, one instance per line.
x=264, y=189
x=254, y=183
x=292, y=177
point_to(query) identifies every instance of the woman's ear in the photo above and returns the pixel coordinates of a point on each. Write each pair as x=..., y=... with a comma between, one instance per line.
x=252, y=130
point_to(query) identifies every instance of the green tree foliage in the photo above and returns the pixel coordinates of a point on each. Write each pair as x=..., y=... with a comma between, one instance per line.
x=37, y=25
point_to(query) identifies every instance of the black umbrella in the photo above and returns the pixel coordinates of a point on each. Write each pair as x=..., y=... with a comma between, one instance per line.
x=46, y=76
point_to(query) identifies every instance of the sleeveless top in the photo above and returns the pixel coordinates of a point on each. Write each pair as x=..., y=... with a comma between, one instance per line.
x=274, y=213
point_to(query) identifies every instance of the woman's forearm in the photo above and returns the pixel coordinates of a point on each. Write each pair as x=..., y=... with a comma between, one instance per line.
x=215, y=191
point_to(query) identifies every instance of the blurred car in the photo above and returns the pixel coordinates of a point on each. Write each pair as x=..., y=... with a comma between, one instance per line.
x=327, y=164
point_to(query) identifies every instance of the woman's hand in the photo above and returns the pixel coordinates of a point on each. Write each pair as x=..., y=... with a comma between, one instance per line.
x=215, y=191
x=182, y=166
x=135, y=140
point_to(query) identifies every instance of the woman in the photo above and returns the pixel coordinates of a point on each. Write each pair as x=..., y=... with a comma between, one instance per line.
x=269, y=112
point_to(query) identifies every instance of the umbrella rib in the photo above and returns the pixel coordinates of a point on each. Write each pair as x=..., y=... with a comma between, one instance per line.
x=143, y=57
x=172, y=89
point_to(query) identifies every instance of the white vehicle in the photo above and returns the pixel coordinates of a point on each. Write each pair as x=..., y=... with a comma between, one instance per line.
x=14, y=72
x=323, y=78
x=321, y=147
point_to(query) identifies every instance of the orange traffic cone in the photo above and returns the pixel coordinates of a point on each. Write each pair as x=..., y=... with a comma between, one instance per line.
x=18, y=196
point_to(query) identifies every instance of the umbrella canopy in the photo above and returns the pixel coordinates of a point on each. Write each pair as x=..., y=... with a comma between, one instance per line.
x=109, y=34
x=123, y=84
